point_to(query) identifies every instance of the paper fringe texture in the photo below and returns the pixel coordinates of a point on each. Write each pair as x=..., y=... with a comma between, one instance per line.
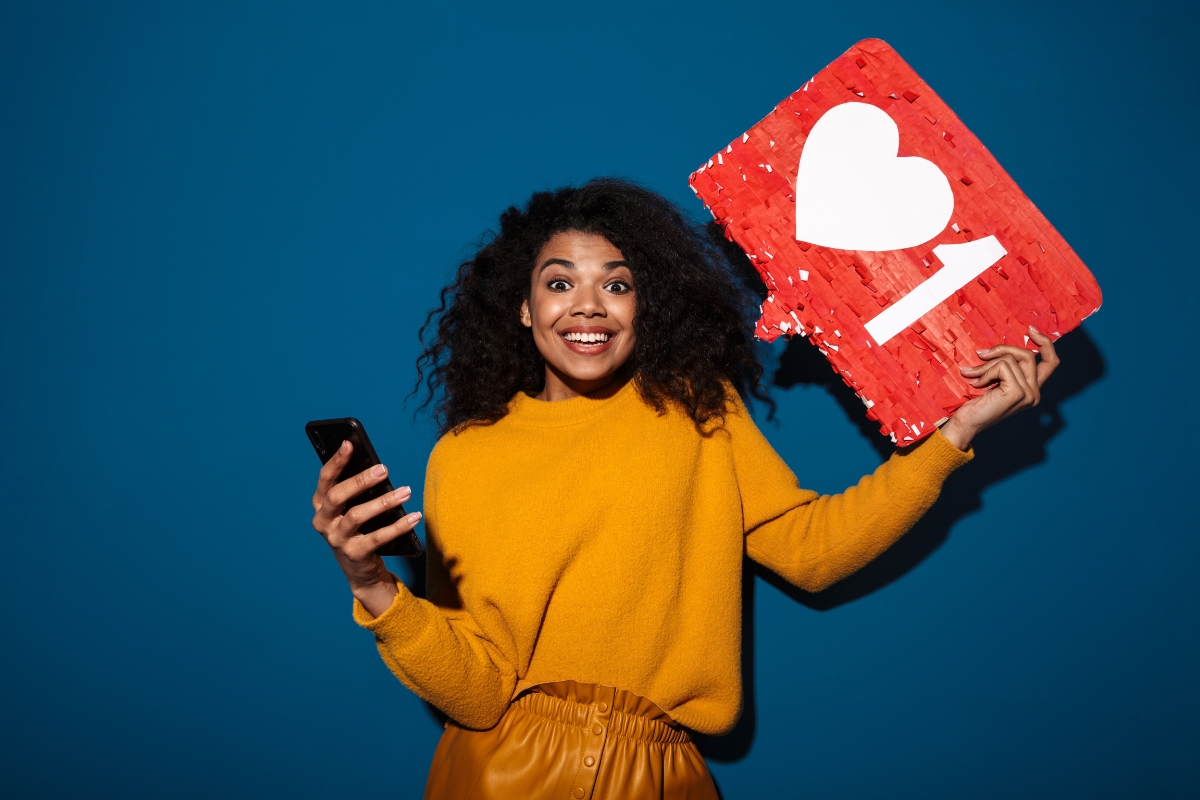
x=911, y=383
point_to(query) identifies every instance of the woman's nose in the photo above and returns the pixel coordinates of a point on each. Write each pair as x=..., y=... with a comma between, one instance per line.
x=589, y=302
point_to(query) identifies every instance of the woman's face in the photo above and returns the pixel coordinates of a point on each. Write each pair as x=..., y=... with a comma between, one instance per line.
x=580, y=308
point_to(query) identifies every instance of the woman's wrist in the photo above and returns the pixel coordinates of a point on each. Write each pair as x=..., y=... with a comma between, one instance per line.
x=958, y=434
x=376, y=597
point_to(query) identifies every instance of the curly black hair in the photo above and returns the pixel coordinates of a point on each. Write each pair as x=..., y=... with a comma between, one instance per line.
x=692, y=321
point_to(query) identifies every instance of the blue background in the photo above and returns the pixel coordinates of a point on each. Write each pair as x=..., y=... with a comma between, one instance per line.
x=220, y=220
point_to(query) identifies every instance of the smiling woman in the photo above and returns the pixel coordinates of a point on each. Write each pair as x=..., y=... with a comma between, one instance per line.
x=575, y=631
x=689, y=340
x=581, y=309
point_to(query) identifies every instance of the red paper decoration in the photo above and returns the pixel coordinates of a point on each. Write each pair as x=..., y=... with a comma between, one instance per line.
x=909, y=381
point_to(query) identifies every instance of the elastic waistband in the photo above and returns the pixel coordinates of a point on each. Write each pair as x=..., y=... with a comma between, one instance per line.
x=591, y=705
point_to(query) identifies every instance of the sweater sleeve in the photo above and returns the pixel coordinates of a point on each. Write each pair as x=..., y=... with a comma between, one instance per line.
x=814, y=541
x=435, y=647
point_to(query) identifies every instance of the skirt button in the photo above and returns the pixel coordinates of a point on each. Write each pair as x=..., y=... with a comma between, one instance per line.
x=587, y=762
x=578, y=791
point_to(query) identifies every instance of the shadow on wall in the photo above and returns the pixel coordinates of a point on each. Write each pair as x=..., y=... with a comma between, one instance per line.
x=1016, y=444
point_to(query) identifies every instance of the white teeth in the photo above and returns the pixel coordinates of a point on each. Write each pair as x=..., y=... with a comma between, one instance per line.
x=587, y=338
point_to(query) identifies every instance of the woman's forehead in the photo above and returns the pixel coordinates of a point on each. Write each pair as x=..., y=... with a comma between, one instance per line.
x=580, y=248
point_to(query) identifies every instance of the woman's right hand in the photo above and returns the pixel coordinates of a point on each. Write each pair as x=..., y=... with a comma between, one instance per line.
x=370, y=580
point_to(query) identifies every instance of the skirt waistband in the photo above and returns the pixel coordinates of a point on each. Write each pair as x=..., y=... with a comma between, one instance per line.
x=590, y=706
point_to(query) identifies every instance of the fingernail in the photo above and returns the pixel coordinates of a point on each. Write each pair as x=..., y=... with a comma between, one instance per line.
x=345, y=448
x=403, y=492
x=964, y=369
x=413, y=517
x=1035, y=330
x=984, y=350
x=378, y=471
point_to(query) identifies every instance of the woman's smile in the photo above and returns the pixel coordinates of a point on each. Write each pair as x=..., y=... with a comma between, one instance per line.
x=588, y=340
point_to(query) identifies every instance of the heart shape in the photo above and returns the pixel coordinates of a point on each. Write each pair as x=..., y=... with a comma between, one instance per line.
x=854, y=193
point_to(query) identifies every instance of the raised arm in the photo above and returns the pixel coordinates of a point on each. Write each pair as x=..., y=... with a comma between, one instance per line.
x=814, y=541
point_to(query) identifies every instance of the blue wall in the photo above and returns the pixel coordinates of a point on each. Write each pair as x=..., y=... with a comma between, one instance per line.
x=220, y=221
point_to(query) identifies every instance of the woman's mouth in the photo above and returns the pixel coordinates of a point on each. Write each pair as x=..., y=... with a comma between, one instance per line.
x=588, y=342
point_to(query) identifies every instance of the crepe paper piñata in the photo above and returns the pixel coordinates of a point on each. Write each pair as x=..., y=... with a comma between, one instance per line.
x=887, y=234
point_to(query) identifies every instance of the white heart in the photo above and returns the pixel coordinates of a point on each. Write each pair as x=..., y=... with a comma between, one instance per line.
x=854, y=193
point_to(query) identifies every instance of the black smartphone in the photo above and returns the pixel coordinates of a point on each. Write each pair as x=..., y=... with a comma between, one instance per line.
x=327, y=436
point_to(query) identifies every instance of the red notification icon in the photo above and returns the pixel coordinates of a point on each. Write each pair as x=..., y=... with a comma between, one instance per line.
x=887, y=234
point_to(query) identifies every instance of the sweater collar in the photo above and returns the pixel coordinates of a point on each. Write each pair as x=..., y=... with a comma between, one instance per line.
x=528, y=410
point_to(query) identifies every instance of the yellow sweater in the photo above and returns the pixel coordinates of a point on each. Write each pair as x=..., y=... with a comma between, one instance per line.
x=595, y=540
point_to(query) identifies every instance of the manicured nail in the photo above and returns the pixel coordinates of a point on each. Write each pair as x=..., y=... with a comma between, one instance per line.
x=413, y=517
x=1034, y=330
x=984, y=350
x=964, y=369
x=378, y=471
x=403, y=492
x=345, y=448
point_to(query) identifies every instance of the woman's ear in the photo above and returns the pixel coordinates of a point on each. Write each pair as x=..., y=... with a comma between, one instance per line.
x=526, y=320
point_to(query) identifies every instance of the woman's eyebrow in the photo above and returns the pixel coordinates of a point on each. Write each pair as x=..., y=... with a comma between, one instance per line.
x=610, y=265
x=560, y=261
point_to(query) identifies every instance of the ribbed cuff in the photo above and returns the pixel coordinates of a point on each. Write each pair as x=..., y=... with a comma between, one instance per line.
x=399, y=620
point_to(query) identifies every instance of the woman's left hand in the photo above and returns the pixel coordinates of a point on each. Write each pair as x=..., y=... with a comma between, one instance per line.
x=1014, y=378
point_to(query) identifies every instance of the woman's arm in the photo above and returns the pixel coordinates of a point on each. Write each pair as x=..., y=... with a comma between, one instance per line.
x=439, y=653
x=814, y=541
x=443, y=657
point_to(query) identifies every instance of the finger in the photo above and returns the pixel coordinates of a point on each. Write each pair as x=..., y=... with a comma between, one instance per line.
x=1025, y=358
x=1050, y=360
x=362, y=545
x=1025, y=363
x=1009, y=381
x=984, y=374
x=329, y=473
x=976, y=369
x=339, y=495
x=979, y=371
x=356, y=517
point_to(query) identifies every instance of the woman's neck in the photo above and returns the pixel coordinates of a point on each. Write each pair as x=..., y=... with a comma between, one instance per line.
x=560, y=386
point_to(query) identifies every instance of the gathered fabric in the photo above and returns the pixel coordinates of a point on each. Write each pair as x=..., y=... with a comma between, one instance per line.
x=566, y=740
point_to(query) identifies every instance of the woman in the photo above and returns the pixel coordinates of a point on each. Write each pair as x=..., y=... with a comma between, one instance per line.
x=590, y=501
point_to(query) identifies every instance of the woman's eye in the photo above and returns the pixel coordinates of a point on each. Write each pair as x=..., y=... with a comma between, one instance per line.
x=619, y=287
x=558, y=285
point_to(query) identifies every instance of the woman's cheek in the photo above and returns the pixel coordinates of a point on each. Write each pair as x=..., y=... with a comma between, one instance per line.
x=626, y=352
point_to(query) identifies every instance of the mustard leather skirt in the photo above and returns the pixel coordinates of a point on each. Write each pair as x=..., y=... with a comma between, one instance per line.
x=572, y=740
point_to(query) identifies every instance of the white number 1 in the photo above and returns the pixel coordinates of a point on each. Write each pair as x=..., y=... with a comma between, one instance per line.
x=963, y=263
